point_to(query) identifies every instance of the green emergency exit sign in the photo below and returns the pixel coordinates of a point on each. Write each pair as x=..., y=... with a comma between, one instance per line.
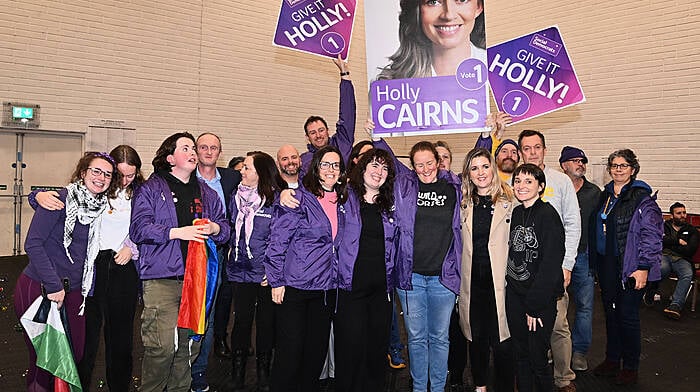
x=20, y=112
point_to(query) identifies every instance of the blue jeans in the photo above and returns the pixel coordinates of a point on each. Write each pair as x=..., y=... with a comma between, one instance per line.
x=427, y=310
x=582, y=283
x=684, y=272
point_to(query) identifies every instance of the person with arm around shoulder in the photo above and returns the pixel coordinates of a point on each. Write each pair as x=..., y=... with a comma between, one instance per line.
x=62, y=246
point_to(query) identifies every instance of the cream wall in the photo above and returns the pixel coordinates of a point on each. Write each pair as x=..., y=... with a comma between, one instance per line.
x=166, y=66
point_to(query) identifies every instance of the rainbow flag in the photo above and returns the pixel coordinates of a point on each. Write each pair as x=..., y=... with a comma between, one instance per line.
x=199, y=285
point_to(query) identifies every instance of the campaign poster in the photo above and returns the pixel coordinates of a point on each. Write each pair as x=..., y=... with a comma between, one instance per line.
x=532, y=75
x=426, y=67
x=320, y=27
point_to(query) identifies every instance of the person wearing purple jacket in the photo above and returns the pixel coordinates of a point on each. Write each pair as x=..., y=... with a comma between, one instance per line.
x=428, y=262
x=62, y=246
x=365, y=276
x=301, y=264
x=251, y=217
x=625, y=237
x=161, y=224
x=316, y=127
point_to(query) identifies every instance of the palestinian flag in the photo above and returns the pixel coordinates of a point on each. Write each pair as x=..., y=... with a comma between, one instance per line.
x=199, y=285
x=43, y=324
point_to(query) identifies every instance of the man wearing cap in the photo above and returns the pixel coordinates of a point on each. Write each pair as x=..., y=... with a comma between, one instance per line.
x=573, y=161
x=507, y=159
x=560, y=194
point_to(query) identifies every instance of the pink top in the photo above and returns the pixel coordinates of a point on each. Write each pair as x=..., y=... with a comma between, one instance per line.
x=330, y=207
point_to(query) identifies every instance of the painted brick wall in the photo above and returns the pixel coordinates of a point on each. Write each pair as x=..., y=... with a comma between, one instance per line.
x=170, y=65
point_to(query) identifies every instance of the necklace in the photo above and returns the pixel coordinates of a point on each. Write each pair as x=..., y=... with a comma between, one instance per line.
x=606, y=211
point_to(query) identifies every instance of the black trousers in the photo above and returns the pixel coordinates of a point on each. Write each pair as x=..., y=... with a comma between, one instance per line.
x=532, y=369
x=457, y=356
x=113, y=301
x=252, y=301
x=361, y=327
x=485, y=334
x=302, y=329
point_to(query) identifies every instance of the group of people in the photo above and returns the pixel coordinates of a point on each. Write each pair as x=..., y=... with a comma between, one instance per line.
x=333, y=236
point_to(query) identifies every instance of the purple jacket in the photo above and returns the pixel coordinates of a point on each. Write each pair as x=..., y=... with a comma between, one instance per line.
x=48, y=262
x=406, y=199
x=153, y=215
x=244, y=269
x=350, y=244
x=302, y=253
x=644, y=240
x=344, y=136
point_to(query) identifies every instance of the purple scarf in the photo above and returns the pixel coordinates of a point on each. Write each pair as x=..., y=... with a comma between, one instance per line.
x=248, y=202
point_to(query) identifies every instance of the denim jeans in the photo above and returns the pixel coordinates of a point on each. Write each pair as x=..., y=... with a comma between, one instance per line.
x=427, y=310
x=684, y=272
x=582, y=286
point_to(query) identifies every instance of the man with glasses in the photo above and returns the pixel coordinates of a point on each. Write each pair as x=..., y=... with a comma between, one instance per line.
x=573, y=161
x=560, y=193
x=223, y=181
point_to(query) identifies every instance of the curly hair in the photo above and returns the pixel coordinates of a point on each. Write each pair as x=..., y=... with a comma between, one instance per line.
x=84, y=163
x=385, y=199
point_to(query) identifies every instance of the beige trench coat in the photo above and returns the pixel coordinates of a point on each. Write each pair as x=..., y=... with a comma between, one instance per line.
x=498, y=252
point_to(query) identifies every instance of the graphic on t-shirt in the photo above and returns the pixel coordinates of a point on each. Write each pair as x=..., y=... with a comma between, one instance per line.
x=431, y=199
x=522, y=239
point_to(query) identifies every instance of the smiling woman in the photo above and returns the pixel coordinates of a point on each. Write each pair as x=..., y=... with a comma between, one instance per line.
x=60, y=245
x=435, y=36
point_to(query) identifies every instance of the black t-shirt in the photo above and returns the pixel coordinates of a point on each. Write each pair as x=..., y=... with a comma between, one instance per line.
x=188, y=203
x=433, y=228
x=369, y=273
x=481, y=228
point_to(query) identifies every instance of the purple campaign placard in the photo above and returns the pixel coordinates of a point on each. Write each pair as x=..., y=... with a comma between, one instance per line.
x=321, y=27
x=532, y=75
x=434, y=105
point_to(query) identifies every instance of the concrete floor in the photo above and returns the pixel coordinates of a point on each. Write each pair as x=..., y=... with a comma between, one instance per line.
x=670, y=350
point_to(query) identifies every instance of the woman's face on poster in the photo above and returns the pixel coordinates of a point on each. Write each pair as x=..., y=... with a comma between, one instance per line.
x=448, y=23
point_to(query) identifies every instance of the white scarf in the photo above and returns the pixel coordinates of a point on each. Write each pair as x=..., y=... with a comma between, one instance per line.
x=83, y=206
x=248, y=202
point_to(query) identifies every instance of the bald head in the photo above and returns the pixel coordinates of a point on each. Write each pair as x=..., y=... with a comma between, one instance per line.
x=288, y=160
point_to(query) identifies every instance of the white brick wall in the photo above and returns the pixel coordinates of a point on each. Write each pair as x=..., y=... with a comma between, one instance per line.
x=172, y=65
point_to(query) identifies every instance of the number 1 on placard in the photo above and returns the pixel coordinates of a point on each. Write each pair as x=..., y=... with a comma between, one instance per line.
x=516, y=103
x=477, y=69
x=332, y=41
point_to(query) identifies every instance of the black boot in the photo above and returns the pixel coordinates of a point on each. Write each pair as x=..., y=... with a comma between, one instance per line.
x=221, y=347
x=263, y=371
x=238, y=375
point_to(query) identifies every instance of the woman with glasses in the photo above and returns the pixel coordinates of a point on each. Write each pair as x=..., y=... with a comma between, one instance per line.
x=251, y=209
x=162, y=216
x=301, y=265
x=428, y=257
x=625, y=237
x=116, y=285
x=62, y=246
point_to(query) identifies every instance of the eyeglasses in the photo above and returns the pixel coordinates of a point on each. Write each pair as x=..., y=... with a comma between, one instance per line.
x=97, y=172
x=622, y=166
x=578, y=161
x=208, y=148
x=329, y=165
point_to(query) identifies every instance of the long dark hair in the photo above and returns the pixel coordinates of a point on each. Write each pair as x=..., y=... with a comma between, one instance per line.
x=312, y=179
x=414, y=57
x=385, y=199
x=84, y=163
x=355, y=152
x=269, y=179
x=160, y=161
x=126, y=154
